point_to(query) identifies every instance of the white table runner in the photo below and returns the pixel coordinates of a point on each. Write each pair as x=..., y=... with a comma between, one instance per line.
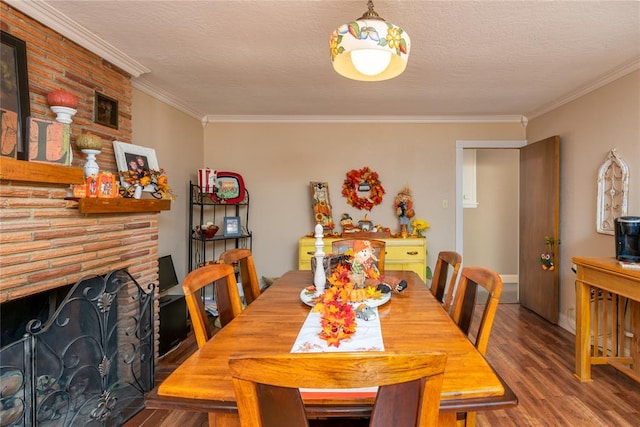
x=368, y=337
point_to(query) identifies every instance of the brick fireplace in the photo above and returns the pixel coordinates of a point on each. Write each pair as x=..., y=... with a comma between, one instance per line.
x=45, y=242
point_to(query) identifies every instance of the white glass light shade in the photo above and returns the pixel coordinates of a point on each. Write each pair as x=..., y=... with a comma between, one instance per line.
x=367, y=35
x=370, y=61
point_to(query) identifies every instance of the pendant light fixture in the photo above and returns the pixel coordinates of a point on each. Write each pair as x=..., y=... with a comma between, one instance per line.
x=369, y=49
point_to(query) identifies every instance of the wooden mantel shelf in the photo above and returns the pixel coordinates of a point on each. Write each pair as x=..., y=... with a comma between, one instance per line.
x=22, y=170
x=121, y=205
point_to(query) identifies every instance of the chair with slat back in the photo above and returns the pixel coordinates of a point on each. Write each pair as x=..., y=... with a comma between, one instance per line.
x=267, y=386
x=446, y=260
x=248, y=277
x=462, y=312
x=379, y=249
x=226, y=295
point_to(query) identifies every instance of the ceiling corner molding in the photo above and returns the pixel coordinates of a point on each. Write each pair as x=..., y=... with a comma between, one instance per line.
x=360, y=119
x=164, y=96
x=604, y=79
x=57, y=21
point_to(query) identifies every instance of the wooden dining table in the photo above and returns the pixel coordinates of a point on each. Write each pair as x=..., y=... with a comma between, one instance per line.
x=410, y=321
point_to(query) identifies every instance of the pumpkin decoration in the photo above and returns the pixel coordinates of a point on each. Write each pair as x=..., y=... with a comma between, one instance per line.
x=62, y=98
x=88, y=141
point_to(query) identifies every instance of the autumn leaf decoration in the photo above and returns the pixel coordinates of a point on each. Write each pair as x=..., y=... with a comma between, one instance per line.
x=338, y=318
x=156, y=178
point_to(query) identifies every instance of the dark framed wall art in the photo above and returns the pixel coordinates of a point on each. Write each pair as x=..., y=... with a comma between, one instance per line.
x=14, y=96
x=105, y=111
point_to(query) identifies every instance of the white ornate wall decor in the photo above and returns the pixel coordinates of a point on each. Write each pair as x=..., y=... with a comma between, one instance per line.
x=613, y=192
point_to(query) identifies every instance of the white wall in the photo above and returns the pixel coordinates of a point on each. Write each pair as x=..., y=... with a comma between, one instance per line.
x=491, y=229
x=278, y=160
x=589, y=127
x=177, y=139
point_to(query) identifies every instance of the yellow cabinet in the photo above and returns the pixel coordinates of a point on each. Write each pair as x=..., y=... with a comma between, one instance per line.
x=401, y=254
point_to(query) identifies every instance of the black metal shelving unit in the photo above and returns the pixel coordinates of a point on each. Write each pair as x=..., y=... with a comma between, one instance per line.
x=204, y=207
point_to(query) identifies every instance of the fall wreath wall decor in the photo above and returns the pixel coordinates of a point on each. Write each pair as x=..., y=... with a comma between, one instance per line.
x=363, y=180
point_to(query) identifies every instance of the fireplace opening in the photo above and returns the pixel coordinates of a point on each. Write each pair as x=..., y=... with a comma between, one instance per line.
x=15, y=314
x=86, y=357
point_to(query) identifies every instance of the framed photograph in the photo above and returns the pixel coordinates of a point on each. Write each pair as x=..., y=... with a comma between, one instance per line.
x=134, y=158
x=14, y=97
x=105, y=111
x=232, y=226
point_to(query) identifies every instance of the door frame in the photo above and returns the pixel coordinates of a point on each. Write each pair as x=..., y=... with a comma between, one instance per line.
x=460, y=146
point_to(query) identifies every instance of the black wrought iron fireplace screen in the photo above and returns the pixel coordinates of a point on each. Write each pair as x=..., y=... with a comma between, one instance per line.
x=89, y=364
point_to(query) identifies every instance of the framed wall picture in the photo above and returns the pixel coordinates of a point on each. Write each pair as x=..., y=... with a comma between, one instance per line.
x=136, y=159
x=14, y=98
x=232, y=226
x=105, y=111
x=613, y=192
x=321, y=205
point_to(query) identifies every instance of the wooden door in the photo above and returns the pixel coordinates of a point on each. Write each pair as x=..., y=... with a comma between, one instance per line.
x=539, y=221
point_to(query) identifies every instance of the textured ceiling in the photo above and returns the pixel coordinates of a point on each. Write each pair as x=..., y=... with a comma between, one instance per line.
x=476, y=59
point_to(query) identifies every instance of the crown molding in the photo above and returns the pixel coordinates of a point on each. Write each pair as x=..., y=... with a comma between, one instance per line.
x=166, y=97
x=603, y=79
x=57, y=21
x=360, y=119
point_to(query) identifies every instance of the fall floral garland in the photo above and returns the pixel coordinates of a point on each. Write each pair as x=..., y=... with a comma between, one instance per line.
x=156, y=178
x=356, y=178
x=338, y=318
x=337, y=314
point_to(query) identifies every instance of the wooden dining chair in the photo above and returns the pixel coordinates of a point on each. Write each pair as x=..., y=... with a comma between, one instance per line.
x=379, y=249
x=226, y=295
x=268, y=395
x=447, y=260
x=243, y=258
x=463, y=308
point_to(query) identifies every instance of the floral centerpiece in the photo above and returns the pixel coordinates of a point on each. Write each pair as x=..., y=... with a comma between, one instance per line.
x=336, y=303
x=156, y=178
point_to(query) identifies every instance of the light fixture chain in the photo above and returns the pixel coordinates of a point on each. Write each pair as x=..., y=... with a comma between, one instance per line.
x=371, y=14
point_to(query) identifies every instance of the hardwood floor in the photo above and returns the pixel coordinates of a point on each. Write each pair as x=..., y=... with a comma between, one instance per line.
x=533, y=356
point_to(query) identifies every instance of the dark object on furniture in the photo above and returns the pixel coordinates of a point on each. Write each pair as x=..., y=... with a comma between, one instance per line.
x=446, y=259
x=627, y=231
x=267, y=387
x=173, y=308
x=167, y=277
x=173, y=322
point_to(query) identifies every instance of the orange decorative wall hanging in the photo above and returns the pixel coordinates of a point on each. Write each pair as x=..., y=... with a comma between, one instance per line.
x=361, y=181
